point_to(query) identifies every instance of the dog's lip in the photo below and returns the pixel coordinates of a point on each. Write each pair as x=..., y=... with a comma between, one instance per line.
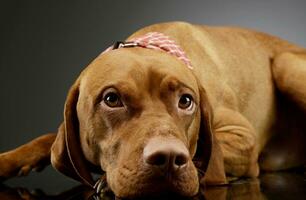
x=172, y=182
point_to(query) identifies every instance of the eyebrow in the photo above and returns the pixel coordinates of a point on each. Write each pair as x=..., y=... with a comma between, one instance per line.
x=186, y=86
x=179, y=84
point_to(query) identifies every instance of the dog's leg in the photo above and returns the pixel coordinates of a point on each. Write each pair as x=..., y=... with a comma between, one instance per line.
x=236, y=137
x=33, y=155
x=287, y=149
x=289, y=72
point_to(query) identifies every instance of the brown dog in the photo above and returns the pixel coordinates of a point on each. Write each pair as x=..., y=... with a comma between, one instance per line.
x=153, y=125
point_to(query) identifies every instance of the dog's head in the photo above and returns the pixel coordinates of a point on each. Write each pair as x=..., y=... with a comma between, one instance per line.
x=141, y=116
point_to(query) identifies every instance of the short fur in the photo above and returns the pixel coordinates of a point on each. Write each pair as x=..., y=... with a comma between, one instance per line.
x=243, y=83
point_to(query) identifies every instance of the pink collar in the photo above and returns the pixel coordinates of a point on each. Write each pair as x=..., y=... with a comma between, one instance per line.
x=155, y=40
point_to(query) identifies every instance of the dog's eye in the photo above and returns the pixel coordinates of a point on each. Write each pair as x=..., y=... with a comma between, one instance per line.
x=112, y=99
x=185, y=102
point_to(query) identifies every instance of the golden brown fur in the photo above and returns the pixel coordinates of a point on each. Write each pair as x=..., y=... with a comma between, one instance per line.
x=240, y=81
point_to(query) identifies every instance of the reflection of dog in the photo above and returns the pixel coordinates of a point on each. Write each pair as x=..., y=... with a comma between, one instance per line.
x=8, y=193
x=152, y=124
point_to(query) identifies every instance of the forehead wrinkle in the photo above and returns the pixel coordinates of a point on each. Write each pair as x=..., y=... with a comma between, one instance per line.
x=164, y=79
x=110, y=68
x=173, y=83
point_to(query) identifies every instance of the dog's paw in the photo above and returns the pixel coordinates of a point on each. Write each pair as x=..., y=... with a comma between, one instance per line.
x=239, y=164
x=21, y=163
x=7, y=167
x=24, y=194
x=24, y=170
x=10, y=167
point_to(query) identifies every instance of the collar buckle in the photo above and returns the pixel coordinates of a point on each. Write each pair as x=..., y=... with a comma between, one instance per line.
x=120, y=44
x=100, y=188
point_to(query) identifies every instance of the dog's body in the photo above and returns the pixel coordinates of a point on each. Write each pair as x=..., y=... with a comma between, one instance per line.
x=248, y=87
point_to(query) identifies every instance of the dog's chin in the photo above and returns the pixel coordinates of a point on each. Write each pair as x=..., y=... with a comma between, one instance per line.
x=140, y=184
x=156, y=190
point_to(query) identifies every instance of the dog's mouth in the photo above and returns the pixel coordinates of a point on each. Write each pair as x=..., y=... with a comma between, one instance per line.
x=160, y=196
x=131, y=183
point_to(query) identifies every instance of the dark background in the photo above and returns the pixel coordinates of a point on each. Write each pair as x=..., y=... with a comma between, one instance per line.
x=44, y=45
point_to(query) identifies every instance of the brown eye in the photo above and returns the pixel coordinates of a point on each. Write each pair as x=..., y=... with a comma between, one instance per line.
x=185, y=102
x=112, y=100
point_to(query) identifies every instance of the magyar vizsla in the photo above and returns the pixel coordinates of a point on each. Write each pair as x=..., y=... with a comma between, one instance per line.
x=176, y=107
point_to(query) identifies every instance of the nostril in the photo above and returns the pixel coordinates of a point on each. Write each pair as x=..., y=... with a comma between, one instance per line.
x=157, y=159
x=180, y=160
x=165, y=154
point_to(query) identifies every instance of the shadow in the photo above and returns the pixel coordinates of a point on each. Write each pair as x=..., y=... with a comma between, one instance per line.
x=284, y=185
x=281, y=186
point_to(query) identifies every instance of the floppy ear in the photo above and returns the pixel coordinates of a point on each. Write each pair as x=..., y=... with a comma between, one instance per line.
x=208, y=158
x=66, y=154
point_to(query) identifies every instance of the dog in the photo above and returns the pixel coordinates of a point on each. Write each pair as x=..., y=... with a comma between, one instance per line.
x=197, y=106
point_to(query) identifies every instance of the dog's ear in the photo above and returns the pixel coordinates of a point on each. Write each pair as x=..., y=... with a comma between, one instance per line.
x=66, y=154
x=208, y=158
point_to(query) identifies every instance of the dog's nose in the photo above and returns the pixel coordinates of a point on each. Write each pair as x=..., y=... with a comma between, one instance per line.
x=166, y=154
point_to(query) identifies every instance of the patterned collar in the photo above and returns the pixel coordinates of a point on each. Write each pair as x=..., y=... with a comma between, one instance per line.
x=157, y=41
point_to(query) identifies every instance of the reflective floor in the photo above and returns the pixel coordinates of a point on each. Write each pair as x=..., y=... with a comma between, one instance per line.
x=282, y=185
